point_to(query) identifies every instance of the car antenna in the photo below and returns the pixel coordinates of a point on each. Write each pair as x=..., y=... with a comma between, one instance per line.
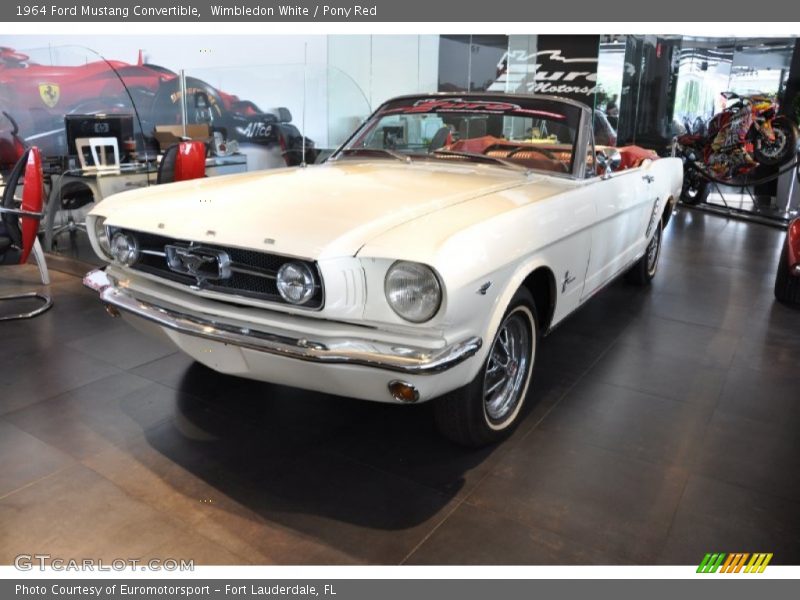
x=303, y=114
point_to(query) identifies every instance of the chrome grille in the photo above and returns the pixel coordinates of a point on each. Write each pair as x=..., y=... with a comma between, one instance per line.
x=253, y=274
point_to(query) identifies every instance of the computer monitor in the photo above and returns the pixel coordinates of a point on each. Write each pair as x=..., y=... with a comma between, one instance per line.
x=118, y=126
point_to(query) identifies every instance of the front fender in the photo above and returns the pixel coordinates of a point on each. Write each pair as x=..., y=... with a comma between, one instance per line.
x=500, y=305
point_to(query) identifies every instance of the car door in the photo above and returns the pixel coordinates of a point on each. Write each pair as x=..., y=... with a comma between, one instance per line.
x=620, y=201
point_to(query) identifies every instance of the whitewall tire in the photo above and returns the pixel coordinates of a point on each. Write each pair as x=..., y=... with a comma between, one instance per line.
x=488, y=409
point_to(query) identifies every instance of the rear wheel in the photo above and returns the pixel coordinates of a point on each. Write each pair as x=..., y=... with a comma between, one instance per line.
x=695, y=188
x=646, y=267
x=487, y=409
x=787, y=285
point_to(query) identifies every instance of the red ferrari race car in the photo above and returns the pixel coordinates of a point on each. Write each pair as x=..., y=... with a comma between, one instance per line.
x=787, y=280
x=37, y=97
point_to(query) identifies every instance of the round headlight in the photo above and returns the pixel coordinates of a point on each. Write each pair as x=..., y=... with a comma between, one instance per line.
x=101, y=235
x=295, y=283
x=413, y=291
x=124, y=248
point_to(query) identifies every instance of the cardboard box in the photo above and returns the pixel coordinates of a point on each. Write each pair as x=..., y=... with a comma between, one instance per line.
x=167, y=135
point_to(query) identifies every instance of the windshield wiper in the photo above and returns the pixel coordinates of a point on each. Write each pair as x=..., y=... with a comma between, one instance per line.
x=393, y=153
x=481, y=158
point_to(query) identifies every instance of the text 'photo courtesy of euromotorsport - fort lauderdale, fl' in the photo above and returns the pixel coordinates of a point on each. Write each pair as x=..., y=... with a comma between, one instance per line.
x=184, y=590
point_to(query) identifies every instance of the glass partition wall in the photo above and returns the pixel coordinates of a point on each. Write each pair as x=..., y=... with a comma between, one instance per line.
x=87, y=115
x=103, y=125
x=644, y=90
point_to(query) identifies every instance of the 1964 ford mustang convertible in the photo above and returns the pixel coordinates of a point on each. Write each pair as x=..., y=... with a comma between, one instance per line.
x=423, y=260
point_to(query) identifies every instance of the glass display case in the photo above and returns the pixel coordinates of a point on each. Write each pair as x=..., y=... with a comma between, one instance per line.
x=715, y=74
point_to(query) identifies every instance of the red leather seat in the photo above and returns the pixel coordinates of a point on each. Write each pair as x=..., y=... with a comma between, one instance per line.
x=19, y=226
x=475, y=145
x=182, y=162
x=634, y=156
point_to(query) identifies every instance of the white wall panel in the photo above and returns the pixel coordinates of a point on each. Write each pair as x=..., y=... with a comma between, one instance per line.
x=347, y=76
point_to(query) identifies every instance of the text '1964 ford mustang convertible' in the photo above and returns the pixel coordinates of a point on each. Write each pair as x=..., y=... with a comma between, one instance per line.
x=423, y=260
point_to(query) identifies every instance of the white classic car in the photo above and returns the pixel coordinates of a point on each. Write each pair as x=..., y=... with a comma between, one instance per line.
x=423, y=260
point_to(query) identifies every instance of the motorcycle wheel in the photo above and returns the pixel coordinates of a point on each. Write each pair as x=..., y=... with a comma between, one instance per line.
x=695, y=188
x=782, y=149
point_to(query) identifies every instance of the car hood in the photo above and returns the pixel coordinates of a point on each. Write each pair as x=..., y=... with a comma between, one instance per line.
x=314, y=212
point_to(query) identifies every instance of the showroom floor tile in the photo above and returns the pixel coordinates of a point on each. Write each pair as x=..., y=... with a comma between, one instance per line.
x=636, y=424
x=116, y=346
x=744, y=451
x=472, y=536
x=77, y=513
x=600, y=498
x=104, y=413
x=713, y=515
x=661, y=425
x=26, y=459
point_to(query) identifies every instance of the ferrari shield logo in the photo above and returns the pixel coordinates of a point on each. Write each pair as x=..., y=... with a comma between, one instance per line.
x=49, y=93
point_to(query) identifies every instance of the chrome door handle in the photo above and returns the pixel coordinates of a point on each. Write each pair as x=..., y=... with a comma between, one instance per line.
x=648, y=178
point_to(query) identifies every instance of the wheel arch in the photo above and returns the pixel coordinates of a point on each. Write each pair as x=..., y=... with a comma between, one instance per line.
x=541, y=283
x=669, y=207
x=538, y=278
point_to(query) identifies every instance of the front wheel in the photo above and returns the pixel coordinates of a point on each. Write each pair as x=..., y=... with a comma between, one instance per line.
x=487, y=409
x=782, y=148
x=646, y=267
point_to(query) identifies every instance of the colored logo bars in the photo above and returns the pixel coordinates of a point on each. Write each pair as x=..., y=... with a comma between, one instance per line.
x=734, y=563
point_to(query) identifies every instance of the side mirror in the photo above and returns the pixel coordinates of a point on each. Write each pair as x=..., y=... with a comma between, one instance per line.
x=609, y=160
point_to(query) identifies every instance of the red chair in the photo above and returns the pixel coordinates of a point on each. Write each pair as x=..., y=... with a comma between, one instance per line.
x=20, y=224
x=182, y=162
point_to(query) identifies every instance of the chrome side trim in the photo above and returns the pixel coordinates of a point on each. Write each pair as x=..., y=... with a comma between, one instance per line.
x=354, y=351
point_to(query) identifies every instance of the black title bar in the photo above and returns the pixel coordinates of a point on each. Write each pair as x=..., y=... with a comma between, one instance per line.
x=613, y=11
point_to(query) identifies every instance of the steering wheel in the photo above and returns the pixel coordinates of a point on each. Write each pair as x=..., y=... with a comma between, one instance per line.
x=548, y=153
x=439, y=139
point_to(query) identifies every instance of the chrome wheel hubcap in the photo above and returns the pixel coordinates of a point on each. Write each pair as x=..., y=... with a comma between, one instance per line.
x=652, y=252
x=507, y=368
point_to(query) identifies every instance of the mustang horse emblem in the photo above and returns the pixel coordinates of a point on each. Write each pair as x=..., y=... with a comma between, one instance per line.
x=201, y=263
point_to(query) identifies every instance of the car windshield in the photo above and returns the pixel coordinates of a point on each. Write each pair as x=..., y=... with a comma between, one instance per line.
x=531, y=133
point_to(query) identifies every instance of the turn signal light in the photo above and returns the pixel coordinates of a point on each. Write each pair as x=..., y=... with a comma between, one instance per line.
x=403, y=392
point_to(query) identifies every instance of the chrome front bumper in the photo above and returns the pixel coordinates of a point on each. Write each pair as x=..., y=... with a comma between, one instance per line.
x=355, y=351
